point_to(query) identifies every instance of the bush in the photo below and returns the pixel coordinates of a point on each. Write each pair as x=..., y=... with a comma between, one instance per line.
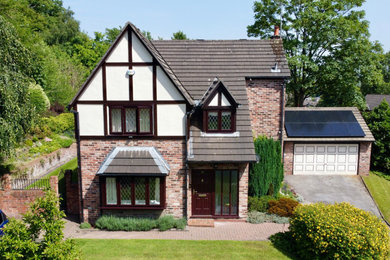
x=259, y=204
x=38, y=98
x=85, y=225
x=266, y=176
x=283, y=207
x=338, y=231
x=256, y=217
x=59, y=124
x=114, y=223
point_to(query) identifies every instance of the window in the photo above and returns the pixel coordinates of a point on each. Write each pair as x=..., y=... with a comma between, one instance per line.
x=130, y=120
x=226, y=193
x=219, y=121
x=133, y=192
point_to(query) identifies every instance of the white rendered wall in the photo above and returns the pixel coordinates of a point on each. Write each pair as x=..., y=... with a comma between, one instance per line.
x=121, y=51
x=91, y=119
x=171, y=120
x=143, y=83
x=94, y=89
x=165, y=88
x=224, y=101
x=214, y=101
x=117, y=83
x=140, y=53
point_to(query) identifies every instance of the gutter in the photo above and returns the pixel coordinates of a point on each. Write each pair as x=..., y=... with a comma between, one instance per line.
x=77, y=135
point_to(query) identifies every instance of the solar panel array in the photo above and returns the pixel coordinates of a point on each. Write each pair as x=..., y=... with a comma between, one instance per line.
x=322, y=124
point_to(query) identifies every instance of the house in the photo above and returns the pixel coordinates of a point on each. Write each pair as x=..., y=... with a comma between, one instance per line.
x=374, y=100
x=166, y=127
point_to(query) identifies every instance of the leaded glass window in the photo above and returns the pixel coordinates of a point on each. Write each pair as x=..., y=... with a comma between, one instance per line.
x=140, y=192
x=212, y=121
x=226, y=120
x=116, y=120
x=125, y=191
x=131, y=120
x=154, y=191
x=111, y=191
x=144, y=120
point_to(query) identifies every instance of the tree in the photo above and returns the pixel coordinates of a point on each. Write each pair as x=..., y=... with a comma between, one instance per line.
x=322, y=40
x=378, y=120
x=44, y=219
x=147, y=35
x=179, y=35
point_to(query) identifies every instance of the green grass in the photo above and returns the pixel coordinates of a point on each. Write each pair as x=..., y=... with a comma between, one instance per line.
x=71, y=165
x=380, y=190
x=176, y=249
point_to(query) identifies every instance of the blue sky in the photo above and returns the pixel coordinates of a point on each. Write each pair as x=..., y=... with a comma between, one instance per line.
x=212, y=19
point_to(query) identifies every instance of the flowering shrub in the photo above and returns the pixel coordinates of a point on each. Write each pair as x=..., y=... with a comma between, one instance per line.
x=338, y=231
x=283, y=207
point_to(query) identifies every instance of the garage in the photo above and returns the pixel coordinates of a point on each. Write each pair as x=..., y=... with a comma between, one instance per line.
x=326, y=141
x=311, y=159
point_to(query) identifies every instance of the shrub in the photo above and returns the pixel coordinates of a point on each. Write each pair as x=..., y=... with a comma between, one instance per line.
x=59, y=124
x=266, y=176
x=338, y=231
x=259, y=204
x=256, y=217
x=114, y=223
x=85, y=225
x=38, y=98
x=283, y=207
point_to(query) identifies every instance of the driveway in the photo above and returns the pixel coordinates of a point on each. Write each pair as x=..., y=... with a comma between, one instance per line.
x=331, y=189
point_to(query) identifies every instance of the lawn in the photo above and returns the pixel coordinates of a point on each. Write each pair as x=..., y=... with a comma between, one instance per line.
x=380, y=190
x=177, y=249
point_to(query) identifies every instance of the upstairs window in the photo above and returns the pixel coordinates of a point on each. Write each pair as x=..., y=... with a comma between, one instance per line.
x=131, y=120
x=219, y=115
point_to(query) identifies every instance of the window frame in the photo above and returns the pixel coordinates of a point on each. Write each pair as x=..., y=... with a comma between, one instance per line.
x=237, y=192
x=123, y=120
x=219, y=110
x=118, y=205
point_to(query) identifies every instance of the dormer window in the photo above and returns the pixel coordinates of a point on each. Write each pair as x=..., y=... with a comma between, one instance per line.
x=219, y=110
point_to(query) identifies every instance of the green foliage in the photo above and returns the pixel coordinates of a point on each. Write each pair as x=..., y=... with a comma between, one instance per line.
x=327, y=47
x=283, y=207
x=266, y=176
x=38, y=98
x=147, y=35
x=259, y=204
x=179, y=35
x=85, y=225
x=44, y=219
x=114, y=223
x=59, y=124
x=378, y=120
x=338, y=231
x=255, y=217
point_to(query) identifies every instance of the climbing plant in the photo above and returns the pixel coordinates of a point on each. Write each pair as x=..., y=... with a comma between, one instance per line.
x=266, y=175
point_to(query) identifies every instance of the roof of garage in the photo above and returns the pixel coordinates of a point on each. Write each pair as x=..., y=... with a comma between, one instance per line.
x=339, y=137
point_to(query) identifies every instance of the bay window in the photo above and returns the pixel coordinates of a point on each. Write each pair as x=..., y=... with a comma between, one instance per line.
x=133, y=192
x=131, y=120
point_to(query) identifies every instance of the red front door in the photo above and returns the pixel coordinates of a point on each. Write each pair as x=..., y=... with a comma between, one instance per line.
x=202, y=192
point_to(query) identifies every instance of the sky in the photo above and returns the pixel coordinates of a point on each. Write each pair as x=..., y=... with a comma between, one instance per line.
x=201, y=19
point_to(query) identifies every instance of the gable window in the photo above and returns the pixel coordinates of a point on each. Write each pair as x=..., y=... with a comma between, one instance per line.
x=219, y=115
x=131, y=120
x=133, y=192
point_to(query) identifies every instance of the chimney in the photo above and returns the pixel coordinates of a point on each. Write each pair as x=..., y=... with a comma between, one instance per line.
x=276, y=33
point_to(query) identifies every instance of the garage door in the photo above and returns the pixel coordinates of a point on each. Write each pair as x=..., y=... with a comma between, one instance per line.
x=312, y=159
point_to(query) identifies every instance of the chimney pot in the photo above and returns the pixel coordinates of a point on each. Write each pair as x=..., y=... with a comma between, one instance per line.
x=276, y=31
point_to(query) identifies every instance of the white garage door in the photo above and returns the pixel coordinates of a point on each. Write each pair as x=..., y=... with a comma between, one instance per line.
x=312, y=159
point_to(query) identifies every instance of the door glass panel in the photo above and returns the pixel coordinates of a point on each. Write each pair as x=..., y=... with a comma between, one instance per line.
x=125, y=191
x=154, y=191
x=234, y=190
x=116, y=121
x=226, y=191
x=131, y=120
x=218, y=177
x=140, y=194
x=111, y=191
x=144, y=120
x=212, y=121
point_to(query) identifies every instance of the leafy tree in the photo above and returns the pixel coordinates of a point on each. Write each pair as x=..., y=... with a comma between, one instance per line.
x=326, y=44
x=38, y=98
x=44, y=219
x=179, y=35
x=147, y=35
x=266, y=175
x=378, y=120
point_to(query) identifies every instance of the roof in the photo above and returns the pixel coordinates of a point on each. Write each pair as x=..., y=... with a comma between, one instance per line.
x=197, y=62
x=374, y=100
x=127, y=28
x=137, y=161
x=209, y=94
x=356, y=113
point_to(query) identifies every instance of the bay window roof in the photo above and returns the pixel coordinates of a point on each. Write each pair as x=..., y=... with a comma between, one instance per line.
x=134, y=161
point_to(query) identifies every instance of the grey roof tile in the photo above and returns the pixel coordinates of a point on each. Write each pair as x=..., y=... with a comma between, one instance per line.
x=374, y=100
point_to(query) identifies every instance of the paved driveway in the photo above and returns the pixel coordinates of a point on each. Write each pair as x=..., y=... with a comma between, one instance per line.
x=331, y=189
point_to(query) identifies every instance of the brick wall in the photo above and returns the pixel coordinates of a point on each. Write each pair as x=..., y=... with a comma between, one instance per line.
x=364, y=158
x=264, y=97
x=14, y=203
x=93, y=153
x=288, y=150
x=72, y=195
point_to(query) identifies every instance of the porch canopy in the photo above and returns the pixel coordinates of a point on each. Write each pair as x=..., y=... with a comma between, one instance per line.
x=134, y=161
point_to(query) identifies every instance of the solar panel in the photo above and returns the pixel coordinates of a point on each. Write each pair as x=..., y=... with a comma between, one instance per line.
x=322, y=124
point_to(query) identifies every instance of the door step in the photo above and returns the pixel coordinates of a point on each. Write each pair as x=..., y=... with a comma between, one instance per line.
x=201, y=222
